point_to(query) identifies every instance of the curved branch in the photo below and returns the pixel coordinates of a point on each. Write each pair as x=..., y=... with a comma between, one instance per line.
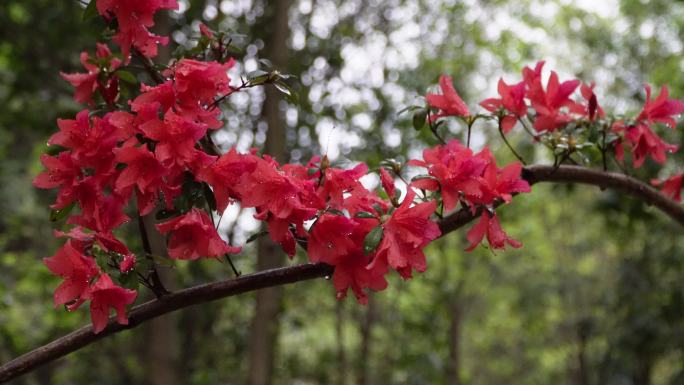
x=603, y=179
x=281, y=276
x=155, y=308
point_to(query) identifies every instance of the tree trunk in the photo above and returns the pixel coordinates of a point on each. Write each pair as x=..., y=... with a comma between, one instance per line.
x=162, y=347
x=265, y=322
x=582, y=370
x=363, y=372
x=341, y=352
x=453, y=367
x=162, y=350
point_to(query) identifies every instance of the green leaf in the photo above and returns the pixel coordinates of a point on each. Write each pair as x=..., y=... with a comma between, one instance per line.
x=372, y=240
x=129, y=280
x=419, y=119
x=266, y=63
x=102, y=260
x=90, y=11
x=423, y=176
x=257, y=77
x=335, y=212
x=290, y=95
x=126, y=76
x=56, y=215
x=282, y=87
x=163, y=261
x=408, y=109
x=256, y=236
x=365, y=214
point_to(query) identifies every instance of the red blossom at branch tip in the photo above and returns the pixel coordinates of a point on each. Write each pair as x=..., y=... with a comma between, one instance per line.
x=103, y=295
x=193, y=236
x=660, y=110
x=671, y=187
x=489, y=225
x=449, y=103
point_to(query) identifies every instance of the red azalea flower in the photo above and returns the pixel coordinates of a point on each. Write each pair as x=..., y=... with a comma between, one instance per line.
x=671, y=187
x=83, y=241
x=512, y=99
x=61, y=172
x=134, y=18
x=330, y=238
x=87, y=83
x=360, y=199
x=226, y=174
x=77, y=270
x=644, y=142
x=353, y=272
x=103, y=295
x=449, y=102
x=456, y=170
x=405, y=234
x=127, y=263
x=662, y=109
x=338, y=182
x=387, y=183
x=199, y=81
x=194, y=236
x=87, y=192
x=592, y=109
x=501, y=183
x=147, y=174
x=548, y=103
x=152, y=98
x=205, y=31
x=177, y=138
x=100, y=213
x=273, y=192
x=338, y=241
x=489, y=225
x=91, y=141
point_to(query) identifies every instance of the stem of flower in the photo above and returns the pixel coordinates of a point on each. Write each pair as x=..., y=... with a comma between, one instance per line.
x=520, y=158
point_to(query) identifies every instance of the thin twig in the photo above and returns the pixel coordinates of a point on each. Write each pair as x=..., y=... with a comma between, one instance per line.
x=503, y=136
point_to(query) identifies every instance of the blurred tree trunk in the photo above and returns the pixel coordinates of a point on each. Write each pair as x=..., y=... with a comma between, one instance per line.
x=453, y=367
x=642, y=373
x=363, y=372
x=341, y=353
x=265, y=322
x=162, y=348
x=582, y=371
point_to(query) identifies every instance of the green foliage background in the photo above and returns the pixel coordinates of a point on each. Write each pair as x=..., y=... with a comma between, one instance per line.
x=594, y=297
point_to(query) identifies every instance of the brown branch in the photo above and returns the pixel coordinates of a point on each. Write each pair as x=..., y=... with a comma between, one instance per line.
x=281, y=276
x=152, y=309
x=620, y=182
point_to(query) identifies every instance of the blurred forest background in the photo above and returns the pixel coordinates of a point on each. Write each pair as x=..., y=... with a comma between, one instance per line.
x=595, y=296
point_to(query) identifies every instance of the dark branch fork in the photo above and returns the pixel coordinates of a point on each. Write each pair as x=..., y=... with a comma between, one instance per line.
x=285, y=275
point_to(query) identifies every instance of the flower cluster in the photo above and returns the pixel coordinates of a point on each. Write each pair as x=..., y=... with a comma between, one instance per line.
x=156, y=150
x=561, y=120
x=639, y=135
x=134, y=17
x=101, y=76
x=472, y=181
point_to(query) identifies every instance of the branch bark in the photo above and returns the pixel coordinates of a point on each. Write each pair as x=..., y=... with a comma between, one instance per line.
x=285, y=275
